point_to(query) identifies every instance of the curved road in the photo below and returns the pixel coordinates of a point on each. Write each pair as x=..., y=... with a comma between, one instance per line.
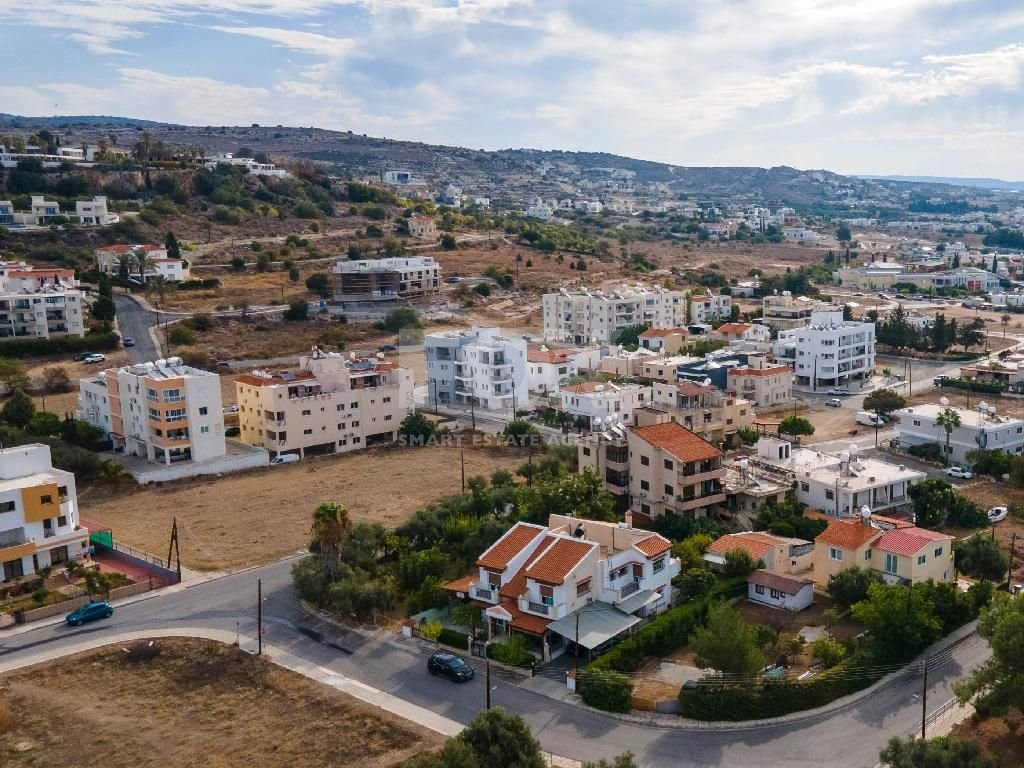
x=851, y=738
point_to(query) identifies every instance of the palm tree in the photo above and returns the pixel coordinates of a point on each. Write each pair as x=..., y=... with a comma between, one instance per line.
x=948, y=420
x=142, y=263
x=331, y=530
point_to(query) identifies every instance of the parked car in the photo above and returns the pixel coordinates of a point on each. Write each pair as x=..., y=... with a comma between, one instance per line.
x=91, y=611
x=869, y=419
x=883, y=296
x=858, y=293
x=230, y=409
x=835, y=402
x=284, y=458
x=232, y=431
x=80, y=356
x=127, y=341
x=839, y=391
x=997, y=514
x=937, y=381
x=449, y=665
x=387, y=348
x=95, y=357
x=961, y=472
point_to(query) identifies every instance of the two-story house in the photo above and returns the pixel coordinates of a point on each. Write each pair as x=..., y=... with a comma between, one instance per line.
x=602, y=404
x=703, y=408
x=780, y=554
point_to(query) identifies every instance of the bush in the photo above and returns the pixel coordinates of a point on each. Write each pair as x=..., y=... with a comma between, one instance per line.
x=179, y=335
x=512, y=652
x=454, y=639
x=195, y=285
x=604, y=689
x=320, y=284
x=298, y=310
x=926, y=451
x=400, y=318
x=828, y=651
x=91, y=342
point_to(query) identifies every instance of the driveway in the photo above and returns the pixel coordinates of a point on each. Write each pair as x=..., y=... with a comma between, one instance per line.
x=134, y=323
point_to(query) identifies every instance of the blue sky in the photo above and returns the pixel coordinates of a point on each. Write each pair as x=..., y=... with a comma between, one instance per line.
x=870, y=86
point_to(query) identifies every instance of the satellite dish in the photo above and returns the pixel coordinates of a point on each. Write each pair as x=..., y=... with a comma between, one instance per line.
x=865, y=512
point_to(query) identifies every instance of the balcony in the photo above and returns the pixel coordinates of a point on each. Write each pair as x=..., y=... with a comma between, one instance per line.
x=540, y=608
x=629, y=589
x=17, y=551
x=483, y=594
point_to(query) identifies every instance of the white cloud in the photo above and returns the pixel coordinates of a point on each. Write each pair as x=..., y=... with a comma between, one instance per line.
x=296, y=40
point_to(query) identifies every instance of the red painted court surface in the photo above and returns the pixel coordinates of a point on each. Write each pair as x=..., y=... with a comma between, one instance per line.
x=132, y=571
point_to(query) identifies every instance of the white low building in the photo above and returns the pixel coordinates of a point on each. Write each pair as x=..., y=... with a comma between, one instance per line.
x=480, y=366
x=94, y=213
x=603, y=404
x=980, y=427
x=584, y=316
x=250, y=165
x=828, y=352
x=109, y=259
x=405, y=277
x=548, y=369
x=800, y=235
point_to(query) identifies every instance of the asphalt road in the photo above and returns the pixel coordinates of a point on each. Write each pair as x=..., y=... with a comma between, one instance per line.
x=134, y=322
x=849, y=739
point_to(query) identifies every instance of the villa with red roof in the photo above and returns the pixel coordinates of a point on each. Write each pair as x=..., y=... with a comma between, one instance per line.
x=548, y=583
x=109, y=259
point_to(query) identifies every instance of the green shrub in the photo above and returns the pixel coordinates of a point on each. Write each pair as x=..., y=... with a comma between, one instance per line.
x=512, y=652
x=179, y=335
x=91, y=342
x=926, y=451
x=972, y=385
x=604, y=689
x=454, y=639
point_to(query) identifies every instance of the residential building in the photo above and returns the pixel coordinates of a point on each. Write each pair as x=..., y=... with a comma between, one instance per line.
x=331, y=404
x=720, y=228
x=402, y=178
x=581, y=317
x=250, y=165
x=828, y=352
x=6, y=213
x=800, y=235
x=480, y=365
x=42, y=210
x=766, y=385
x=668, y=341
x=39, y=522
x=901, y=554
x=661, y=369
x=749, y=489
x=751, y=332
x=602, y=404
x=840, y=485
x=423, y=227
x=622, y=362
x=707, y=308
x=884, y=276
x=157, y=263
x=779, y=591
x=785, y=311
x=572, y=579
x=406, y=277
x=538, y=209
x=163, y=411
x=980, y=427
x=779, y=554
x=745, y=289
x=94, y=212
x=713, y=368
x=39, y=303
x=703, y=409
x=548, y=369
x=672, y=471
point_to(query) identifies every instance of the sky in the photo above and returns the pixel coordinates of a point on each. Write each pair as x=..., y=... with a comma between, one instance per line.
x=921, y=87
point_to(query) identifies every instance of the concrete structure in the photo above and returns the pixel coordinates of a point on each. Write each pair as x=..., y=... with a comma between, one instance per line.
x=42, y=211
x=980, y=427
x=662, y=369
x=548, y=369
x=839, y=485
x=406, y=277
x=785, y=311
x=765, y=384
x=748, y=490
x=585, y=316
x=800, y=235
x=163, y=412
x=538, y=209
x=829, y=351
x=778, y=553
x=881, y=277
x=572, y=578
x=250, y=165
x=6, y=213
x=780, y=591
x=668, y=341
x=902, y=554
x=713, y=368
x=94, y=213
x=481, y=364
x=331, y=404
x=703, y=409
x=709, y=307
x=39, y=303
x=39, y=523
x=602, y=404
x=742, y=332
x=422, y=227
x=158, y=264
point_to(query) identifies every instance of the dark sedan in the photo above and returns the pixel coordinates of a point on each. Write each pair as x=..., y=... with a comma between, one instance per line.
x=449, y=665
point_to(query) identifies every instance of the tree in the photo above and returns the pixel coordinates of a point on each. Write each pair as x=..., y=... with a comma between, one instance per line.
x=581, y=495
x=690, y=551
x=850, y=585
x=172, y=246
x=18, y=410
x=501, y=740
x=397, y=319
x=263, y=263
x=298, y=310
x=448, y=242
x=142, y=262
x=103, y=309
x=843, y=234
x=999, y=682
x=971, y=335
x=932, y=498
x=237, y=264
x=981, y=557
x=697, y=582
x=629, y=336
x=941, y=752
x=467, y=615
x=901, y=621
x=519, y=432
x=727, y=644
x=417, y=429
x=12, y=374
x=884, y=401
x=53, y=379
x=320, y=284
x=949, y=420
x=796, y=426
x=625, y=760
x=331, y=531
x=738, y=562
x=1004, y=320
x=828, y=651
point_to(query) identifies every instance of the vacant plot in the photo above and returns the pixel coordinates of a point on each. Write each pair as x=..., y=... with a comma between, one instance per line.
x=190, y=702
x=245, y=519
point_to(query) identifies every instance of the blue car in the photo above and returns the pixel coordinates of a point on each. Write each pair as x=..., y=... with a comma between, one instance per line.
x=97, y=609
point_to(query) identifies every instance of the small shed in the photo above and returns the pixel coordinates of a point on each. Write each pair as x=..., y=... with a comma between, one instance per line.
x=780, y=591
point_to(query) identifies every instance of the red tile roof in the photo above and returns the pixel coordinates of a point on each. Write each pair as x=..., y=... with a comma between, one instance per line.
x=733, y=328
x=787, y=585
x=693, y=389
x=678, y=441
x=908, y=541
x=557, y=560
x=508, y=546
x=772, y=371
x=756, y=546
x=653, y=333
x=461, y=585
x=516, y=586
x=546, y=356
x=585, y=387
x=848, y=534
x=525, y=622
x=654, y=545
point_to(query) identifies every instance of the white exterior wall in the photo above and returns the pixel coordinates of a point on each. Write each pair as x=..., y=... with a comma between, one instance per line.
x=42, y=315
x=829, y=349
x=546, y=378
x=704, y=309
x=802, y=599
x=580, y=318
x=457, y=371
x=615, y=402
x=917, y=426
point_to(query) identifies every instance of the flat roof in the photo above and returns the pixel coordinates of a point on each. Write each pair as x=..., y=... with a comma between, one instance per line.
x=968, y=417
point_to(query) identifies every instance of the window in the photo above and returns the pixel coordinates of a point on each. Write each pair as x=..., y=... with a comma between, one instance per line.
x=805, y=487
x=62, y=521
x=353, y=405
x=659, y=565
x=586, y=451
x=829, y=494
x=172, y=395
x=204, y=430
x=645, y=461
x=307, y=431
x=938, y=552
x=867, y=554
x=46, y=499
x=356, y=440
x=203, y=410
x=583, y=587
x=493, y=580
x=355, y=424
x=668, y=464
x=151, y=394
x=759, y=589
x=547, y=596
x=669, y=490
x=917, y=422
x=341, y=406
x=306, y=413
x=387, y=400
x=645, y=509
x=921, y=559
x=890, y=562
x=775, y=594
x=835, y=554
x=644, y=485
x=7, y=506
x=388, y=417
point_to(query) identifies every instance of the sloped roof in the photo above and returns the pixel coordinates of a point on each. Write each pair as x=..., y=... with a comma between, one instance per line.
x=587, y=387
x=788, y=585
x=508, y=546
x=547, y=356
x=558, y=559
x=654, y=545
x=678, y=441
x=652, y=333
x=757, y=546
x=516, y=586
x=733, y=328
x=908, y=541
x=848, y=534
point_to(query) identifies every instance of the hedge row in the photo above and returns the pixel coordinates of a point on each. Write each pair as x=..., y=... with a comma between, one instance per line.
x=194, y=285
x=774, y=698
x=91, y=342
x=604, y=689
x=970, y=385
x=454, y=639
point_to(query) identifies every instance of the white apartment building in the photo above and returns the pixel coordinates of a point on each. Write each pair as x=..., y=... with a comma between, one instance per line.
x=766, y=385
x=158, y=263
x=39, y=303
x=39, y=523
x=786, y=311
x=839, y=485
x=571, y=580
x=163, y=411
x=250, y=165
x=87, y=212
x=42, y=210
x=584, y=316
x=331, y=404
x=407, y=277
x=709, y=307
x=603, y=405
x=829, y=351
x=980, y=427
x=538, y=209
x=480, y=365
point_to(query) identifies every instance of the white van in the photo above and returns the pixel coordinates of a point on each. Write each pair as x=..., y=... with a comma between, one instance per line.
x=869, y=419
x=284, y=458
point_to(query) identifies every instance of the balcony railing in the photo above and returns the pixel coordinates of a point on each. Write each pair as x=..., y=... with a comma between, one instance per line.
x=538, y=608
x=629, y=589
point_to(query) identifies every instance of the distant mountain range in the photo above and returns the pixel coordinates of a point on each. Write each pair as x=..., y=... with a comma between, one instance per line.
x=956, y=181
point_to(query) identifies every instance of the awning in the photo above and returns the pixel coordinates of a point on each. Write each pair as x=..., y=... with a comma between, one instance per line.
x=641, y=599
x=598, y=623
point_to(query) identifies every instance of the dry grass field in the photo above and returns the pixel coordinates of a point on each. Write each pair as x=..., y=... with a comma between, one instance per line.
x=258, y=516
x=195, y=703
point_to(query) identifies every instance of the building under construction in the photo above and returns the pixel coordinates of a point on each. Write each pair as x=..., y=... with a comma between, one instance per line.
x=387, y=279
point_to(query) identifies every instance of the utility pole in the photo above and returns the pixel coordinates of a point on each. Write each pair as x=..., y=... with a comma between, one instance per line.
x=462, y=457
x=529, y=477
x=576, y=651
x=513, y=398
x=1013, y=546
x=924, y=699
x=487, y=660
x=259, y=617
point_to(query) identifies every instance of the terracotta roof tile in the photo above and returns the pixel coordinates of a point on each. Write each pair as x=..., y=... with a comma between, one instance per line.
x=785, y=584
x=678, y=441
x=274, y=381
x=654, y=545
x=653, y=333
x=848, y=534
x=547, y=356
x=525, y=622
x=461, y=585
x=775, y=370
x=908, y=541
x=585, y=387
x=693, y=389
x=516, y=586
x=508, y=546
x=733, y=328
x=757, y=548
x=555, y=562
